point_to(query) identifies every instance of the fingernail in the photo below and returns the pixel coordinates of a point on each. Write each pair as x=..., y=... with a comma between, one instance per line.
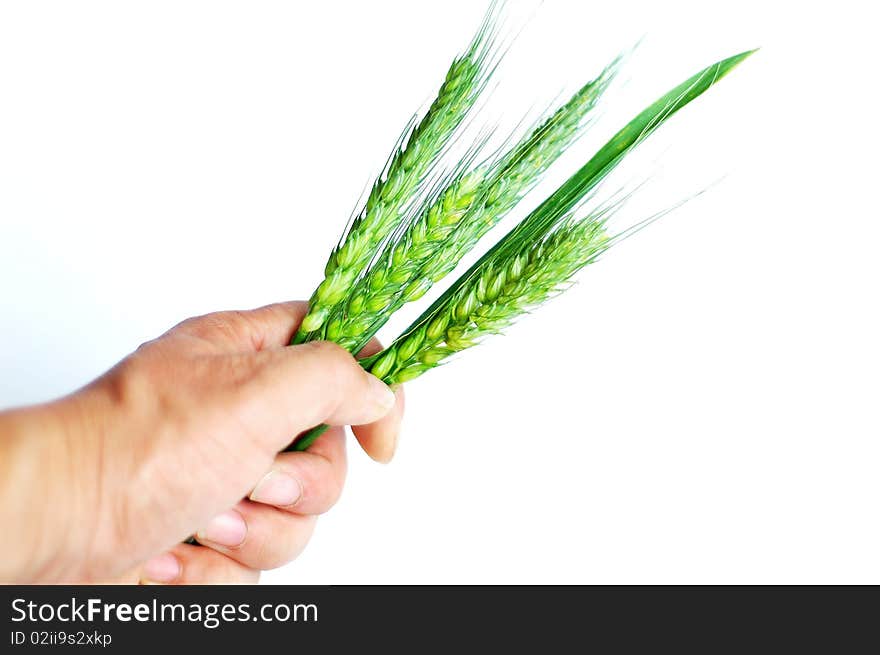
x=381, y=393
x=227, y=529
x=277, y=488
x=163, y=568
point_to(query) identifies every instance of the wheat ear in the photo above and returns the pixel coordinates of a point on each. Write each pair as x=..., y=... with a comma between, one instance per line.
x=409, y=164
x=506, y=287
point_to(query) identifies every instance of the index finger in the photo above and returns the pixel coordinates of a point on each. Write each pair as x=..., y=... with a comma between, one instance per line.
x=271, y=326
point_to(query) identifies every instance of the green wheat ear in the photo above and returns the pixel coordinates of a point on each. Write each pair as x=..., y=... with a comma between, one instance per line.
x=533, y=261
x=451, y=223
x=417, y=152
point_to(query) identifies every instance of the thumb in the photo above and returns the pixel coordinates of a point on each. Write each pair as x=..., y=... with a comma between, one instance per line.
x=298, y=387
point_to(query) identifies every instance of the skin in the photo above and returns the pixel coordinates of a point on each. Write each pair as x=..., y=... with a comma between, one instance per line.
x=182, y=437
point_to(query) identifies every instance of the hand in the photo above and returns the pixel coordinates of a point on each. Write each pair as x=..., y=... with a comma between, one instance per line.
x=106, y=483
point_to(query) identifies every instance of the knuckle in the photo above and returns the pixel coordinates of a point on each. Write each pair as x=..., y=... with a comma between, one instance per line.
x=192, y=325
x=232, y=322
x=131, y=381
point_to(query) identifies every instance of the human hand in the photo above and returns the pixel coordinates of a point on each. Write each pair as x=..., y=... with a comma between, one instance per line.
x=171, y=440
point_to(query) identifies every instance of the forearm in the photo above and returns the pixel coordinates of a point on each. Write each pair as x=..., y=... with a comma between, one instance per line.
x=47, y=490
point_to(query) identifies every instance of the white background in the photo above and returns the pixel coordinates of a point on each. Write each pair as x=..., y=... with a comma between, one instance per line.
x=703, y=407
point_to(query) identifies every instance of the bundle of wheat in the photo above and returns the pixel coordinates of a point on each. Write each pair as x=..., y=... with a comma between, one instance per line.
x=404, y=240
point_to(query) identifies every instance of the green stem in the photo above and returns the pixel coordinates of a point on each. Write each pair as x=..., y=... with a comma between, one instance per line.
x=307, y=439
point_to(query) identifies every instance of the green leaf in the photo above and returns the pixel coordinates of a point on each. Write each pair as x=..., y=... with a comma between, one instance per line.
x=566, y=197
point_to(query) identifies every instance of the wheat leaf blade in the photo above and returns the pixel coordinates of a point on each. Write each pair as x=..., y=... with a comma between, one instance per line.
x=572, y=191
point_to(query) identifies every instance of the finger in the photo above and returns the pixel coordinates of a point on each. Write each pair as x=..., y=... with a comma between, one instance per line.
x=258, y=536
x=309, y=482
x=271, y=326
x=188, y=564
x=297, y=388
x=379, y=438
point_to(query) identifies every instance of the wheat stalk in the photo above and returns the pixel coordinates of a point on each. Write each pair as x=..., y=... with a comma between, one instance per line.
x=417, y=152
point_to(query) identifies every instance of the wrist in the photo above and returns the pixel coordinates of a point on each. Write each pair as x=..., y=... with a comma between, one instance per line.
x=28, y=481
x=50, y=485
